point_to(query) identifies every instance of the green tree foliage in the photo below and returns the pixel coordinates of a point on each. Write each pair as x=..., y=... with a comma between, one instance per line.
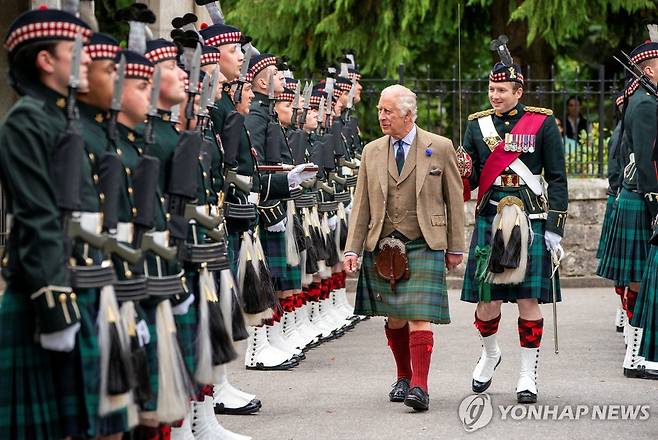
x=421, y=33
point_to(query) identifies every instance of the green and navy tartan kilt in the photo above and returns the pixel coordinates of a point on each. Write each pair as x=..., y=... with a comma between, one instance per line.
x=186, y=325
x=233, y=248
x=423, y=297
x=80, y=398
x=28, y=401
x=645, y=314
x=537, y=283
x=284, y=277
x=610, y=208
x=625, y=255
x=148, y=308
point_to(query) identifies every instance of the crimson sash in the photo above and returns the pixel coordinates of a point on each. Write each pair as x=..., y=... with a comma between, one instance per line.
x=499, y=159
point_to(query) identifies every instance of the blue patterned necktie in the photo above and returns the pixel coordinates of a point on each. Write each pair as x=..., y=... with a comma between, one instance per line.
x=399, y=155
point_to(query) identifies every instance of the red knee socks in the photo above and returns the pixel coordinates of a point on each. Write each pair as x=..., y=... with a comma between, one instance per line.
x=530, y=332
x=631, y=298
x=486, y=328
x=421, y=343
x=398, y=340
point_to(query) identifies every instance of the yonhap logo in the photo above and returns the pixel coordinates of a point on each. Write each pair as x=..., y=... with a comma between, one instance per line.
x=475, y=412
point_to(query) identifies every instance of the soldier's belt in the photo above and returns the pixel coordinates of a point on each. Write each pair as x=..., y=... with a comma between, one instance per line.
x=272, y=214
x=306, y=200
x=133, y=289
x=509, y=181
x=237, y=211
x=165, y=286
x=328, y=206
x=344, y=197
x=350, y=181
x=204, y=253
x=88, y=277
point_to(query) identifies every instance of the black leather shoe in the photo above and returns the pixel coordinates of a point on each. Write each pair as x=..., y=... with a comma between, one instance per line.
x=252, y=407
x=526, y=397
x=481, y=387
x=418, y=399
x=399, y=391
x=641, y=373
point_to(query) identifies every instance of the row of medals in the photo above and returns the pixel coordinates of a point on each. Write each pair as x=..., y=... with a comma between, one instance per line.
x=521, y=143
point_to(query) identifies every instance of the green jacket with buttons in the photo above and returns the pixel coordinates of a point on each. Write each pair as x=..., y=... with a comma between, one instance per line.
x=638, y=139
x=547, y=159
x=34, y=253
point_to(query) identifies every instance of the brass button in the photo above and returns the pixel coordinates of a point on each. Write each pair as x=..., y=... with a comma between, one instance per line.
x=96, y=179
x=128, y=172
x=131, y=136
x=5, y=261
x=205, y=174
x=74, y=296
x=128, y=274
x=62, y=297
x=141, y=151
x=101, y=196
x=207, y=192
x=91, y=157
x=200, y=157
x=134, y=211
x=506, y=122
x=162, y=200
x=130, y=190
x=168, y=216
x=119, y=151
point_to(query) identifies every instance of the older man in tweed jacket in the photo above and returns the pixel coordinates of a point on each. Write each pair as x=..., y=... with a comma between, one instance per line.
x=409, y=188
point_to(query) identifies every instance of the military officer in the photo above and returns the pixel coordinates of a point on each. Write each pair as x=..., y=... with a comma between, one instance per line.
x=511, y=145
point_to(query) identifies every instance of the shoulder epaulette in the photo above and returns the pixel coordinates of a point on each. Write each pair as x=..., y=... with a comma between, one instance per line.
x=478, y=115
x=542, y=110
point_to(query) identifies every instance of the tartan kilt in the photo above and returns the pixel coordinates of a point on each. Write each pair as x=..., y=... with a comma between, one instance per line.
x=537, y=283
x=645, y=314
x=284, y=277
x=423, y=297
x=148, y=308
x=186, y=325
x=233, y=248
x=81, y=417
x=28, y=402
x=625, y=255
x=610, y=208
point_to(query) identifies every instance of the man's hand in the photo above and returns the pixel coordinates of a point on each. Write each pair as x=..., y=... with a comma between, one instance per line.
x=453, y=260
x=350, y=263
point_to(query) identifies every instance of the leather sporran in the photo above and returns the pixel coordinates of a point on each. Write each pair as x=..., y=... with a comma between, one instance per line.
x=391, y=262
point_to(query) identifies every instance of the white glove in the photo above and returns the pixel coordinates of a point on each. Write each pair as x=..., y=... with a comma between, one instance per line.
x=278, y=227
x=143, y=333
x=182, y=308
x=332, y=221
x=552, y=241
x=63, y=340
x=297, y=175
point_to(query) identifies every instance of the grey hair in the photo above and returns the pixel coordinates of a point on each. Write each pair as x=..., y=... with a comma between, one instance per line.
x=406, y=101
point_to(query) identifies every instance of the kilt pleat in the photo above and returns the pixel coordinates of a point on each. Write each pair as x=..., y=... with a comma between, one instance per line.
x=610, y=208
x=422, y=297
x=186, y=325
x=284, y=277
x=645, y=314
x=148, y=310
x=537, y=283
x=28, y=401
x=627, y=246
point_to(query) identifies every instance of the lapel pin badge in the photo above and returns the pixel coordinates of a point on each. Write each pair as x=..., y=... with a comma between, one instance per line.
x=428, y=152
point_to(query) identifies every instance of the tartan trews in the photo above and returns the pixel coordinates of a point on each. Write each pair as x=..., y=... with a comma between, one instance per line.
x=422, y=297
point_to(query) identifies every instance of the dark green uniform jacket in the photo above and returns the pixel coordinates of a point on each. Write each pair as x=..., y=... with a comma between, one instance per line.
x=547, y=159
x=638, y=139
